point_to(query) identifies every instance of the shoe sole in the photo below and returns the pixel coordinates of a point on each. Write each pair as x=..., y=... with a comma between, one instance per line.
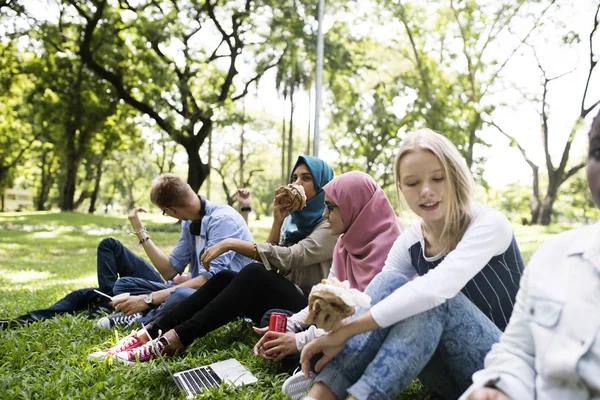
x=295, y=380
x=99, y=356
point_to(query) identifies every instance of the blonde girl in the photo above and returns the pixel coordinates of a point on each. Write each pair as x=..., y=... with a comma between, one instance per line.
x=439, y=326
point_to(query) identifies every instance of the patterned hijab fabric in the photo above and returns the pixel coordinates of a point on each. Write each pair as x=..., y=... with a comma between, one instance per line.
x=300, y=224
x=371, y=228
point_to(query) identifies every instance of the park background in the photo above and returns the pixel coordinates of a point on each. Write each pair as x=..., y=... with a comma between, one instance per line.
x=98, y=97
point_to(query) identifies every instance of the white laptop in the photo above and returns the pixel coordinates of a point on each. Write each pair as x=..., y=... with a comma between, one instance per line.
x=194, y=381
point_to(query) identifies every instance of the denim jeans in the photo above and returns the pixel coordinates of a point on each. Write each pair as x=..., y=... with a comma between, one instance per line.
x=443, y=346
x=122, y=271
x=77, y=300
x=117, y=261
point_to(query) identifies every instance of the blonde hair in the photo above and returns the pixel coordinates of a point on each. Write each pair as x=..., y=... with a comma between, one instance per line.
x=458, y=182
x=169, y=190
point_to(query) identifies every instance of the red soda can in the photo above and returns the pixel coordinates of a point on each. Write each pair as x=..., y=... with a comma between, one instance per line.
x=278, y=322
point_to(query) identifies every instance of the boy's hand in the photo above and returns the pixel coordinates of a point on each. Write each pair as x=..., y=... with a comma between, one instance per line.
x=134, y=218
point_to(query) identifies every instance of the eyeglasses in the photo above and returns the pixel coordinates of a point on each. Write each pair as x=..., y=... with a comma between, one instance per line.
x=330, y=207
x=164, y=211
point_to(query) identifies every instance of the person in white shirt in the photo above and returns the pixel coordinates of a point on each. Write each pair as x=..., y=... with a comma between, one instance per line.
x=440, y=325
x=551, y=347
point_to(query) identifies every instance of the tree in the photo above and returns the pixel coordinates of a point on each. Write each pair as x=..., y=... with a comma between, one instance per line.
x=18, y=132
x=542, y=208
x=185, y=91
x=69, y=97
x=374, y=130
x=451, y=90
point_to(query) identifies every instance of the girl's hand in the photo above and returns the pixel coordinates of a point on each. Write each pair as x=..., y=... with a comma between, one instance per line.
x=488, y=394
x=279, y=212
x=329, y=345
x=275, y=345
x=213, y=252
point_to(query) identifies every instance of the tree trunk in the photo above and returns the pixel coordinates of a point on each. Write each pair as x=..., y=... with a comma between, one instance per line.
x=42, y=196
x=545, y=215
x=308, y=130
x=84, y=195
x=554, y=181
x=3, y=172
x=242, y=151
x=284, y=179
x=94, y=196
x=197, y=170
x=71, y=163
x=291, y=129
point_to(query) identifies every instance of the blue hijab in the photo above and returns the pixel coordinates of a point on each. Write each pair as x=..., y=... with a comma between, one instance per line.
x=300, y=224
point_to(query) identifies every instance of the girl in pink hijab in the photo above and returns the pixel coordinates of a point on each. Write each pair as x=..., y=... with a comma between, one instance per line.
x=357, y=210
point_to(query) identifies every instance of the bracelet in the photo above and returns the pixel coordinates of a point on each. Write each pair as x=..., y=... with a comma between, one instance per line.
x=255, y=255
x=144, y=240
x=247, y=208
x=143, y=230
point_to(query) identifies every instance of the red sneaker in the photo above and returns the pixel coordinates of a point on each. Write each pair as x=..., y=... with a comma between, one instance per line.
x=147, y=351
x=127, y=343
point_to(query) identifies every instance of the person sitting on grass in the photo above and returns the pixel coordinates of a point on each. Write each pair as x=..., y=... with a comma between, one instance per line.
x=358, y=210
x=291, y=264
x=551, y=347
x=156, y=284
x=115, y=259
x=440, y=325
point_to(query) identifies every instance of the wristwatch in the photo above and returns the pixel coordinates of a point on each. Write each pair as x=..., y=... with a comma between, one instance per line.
x=148, y=300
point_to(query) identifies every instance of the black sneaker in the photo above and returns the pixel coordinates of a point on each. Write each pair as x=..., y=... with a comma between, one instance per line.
x=99, y=311
x=15, y=323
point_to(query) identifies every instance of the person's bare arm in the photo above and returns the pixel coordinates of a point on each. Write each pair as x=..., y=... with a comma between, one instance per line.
x=239, y=246
x=244, y=198
x=157, y=257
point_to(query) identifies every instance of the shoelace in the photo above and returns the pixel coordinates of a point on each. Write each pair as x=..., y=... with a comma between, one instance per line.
x=148, y=348
x=123, y=319
x=129, y=340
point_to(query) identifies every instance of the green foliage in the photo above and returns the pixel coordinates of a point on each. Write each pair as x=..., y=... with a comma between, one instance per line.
x=576, y=202
x=513, y=200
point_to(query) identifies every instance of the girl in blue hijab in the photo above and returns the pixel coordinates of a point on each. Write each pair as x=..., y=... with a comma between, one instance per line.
x=301, y=223
x=279, y=275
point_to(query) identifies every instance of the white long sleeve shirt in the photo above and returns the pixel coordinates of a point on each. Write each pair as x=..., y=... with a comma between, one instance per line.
x=486, y=266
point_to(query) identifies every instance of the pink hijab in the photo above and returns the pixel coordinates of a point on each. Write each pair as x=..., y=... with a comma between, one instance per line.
x=371, y=227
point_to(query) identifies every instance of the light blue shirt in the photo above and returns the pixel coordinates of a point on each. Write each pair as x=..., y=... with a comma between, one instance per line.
x=219, y=222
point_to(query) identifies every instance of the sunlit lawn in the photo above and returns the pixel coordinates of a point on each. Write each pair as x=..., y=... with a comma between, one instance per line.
x=43, y=256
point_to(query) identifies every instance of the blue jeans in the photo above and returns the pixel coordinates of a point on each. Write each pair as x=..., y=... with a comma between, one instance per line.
x=443, y=346
x=117, y=261
x=122, y=271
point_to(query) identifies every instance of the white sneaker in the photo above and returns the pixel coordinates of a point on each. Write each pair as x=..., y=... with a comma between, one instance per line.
x=297, y=385
x=119, y=319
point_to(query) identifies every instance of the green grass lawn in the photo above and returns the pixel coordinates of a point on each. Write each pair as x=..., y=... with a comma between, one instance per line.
x=43, y=256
